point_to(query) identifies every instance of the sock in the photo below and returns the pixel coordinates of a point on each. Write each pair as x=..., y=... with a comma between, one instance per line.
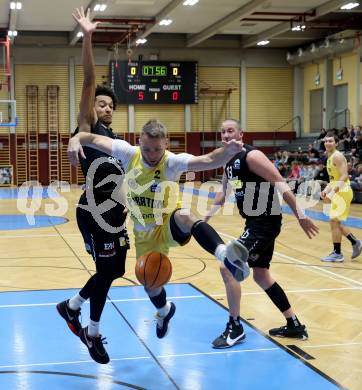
x=278, y=297
x=220, y=252
x=93, y=328
x=235, y=321
x=76, y=302
x=206, y=236
x=293, y=322
x=352, y=238
x=159, y=301
x=337, y=247
x=163, y=311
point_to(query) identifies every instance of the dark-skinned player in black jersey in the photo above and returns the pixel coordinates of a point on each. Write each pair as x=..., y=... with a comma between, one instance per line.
x=103, y=232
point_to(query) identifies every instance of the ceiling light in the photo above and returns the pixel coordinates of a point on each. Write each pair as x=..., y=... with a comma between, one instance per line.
x=165, y=22
x=299, y=27
x=263, y=43
x=16, y=5
x=190, y=2
x=100, y=7
x=300, y=52
x=141, y=41
x=289, y=56
x=12, y=33
x=79, y=34
x=313, y=48
x=350, y=5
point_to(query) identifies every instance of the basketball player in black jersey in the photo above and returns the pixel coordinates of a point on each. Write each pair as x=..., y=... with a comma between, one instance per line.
x=105, y=241
x=254, y=180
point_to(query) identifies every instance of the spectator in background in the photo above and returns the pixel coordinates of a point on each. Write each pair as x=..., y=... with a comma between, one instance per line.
x=356, y=181
x=313, y=154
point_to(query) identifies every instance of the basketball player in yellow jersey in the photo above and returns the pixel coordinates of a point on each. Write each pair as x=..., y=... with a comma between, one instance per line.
x=339, y=194
x=152, y=175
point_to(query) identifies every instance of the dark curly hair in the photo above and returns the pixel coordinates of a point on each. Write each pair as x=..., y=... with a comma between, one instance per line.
x=106, y=91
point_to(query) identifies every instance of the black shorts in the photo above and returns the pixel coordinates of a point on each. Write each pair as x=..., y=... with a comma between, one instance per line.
x=100, y=244
x=259, y=238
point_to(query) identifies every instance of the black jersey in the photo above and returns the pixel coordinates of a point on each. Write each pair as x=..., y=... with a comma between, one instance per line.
x=108, y=166
x=254, y=196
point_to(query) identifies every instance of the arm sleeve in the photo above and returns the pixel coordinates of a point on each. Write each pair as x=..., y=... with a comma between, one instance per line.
x=123, y=151
x=177, y=164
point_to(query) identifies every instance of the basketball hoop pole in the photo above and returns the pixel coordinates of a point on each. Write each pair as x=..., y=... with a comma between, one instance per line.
x=7, y=67
x=7, y=71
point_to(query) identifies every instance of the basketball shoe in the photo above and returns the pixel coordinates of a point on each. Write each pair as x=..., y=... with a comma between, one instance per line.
x=71, y=316
x=232, y=335
x=162, y=322
x=236, y=260
x=333, y=257
x=356, y=249
x=95, y=346
x=293, y=332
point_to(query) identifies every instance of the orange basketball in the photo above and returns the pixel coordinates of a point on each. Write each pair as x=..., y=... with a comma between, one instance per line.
x=153, y=269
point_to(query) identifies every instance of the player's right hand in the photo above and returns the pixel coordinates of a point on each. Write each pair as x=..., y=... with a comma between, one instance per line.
x=74, y=149
x=310, y=229
x=84, y=21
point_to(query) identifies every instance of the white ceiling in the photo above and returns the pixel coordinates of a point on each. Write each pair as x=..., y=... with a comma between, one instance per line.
x=198, y=23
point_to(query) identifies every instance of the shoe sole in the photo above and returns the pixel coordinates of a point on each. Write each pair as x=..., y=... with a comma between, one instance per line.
x=332, y=261
x=303, y=338
x=238, y=251
x=239, y=341
x=70, y=326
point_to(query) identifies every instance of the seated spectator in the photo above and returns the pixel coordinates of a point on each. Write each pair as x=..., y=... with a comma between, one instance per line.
x=322, y=175
x=313, y=154
x=282, y=168
x=356, y=181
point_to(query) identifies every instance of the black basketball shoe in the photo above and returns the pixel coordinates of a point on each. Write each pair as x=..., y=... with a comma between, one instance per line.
x=232, y=335
x=162, y=322
x=292, y=332
x=95, y=346
x=71, y=316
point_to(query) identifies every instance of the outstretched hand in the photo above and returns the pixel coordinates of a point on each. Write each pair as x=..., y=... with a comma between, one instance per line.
x=74, y=149
x=84, y=21
x=232, y=147
x=310, y=229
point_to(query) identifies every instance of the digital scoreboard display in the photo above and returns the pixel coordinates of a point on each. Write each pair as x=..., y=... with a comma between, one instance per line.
x=152, y=82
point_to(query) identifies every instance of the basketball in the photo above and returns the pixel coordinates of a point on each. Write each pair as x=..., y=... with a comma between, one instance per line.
x=153, y=269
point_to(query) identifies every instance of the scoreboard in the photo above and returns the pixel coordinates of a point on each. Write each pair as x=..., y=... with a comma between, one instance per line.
x=155, y=82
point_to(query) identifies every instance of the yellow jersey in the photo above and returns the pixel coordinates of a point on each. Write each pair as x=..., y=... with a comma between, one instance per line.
x=150, y=196
x=333, y=173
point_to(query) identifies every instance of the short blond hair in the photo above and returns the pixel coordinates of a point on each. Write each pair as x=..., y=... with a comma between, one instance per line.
x=154, y=129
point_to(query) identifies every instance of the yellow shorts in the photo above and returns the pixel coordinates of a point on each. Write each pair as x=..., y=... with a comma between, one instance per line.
x=157, y=239
x=340, y=204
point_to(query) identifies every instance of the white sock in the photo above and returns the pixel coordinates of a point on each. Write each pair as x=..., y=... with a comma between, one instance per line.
x=93, y=328
x=76, y=302
x=164, y=310
x=220, y=252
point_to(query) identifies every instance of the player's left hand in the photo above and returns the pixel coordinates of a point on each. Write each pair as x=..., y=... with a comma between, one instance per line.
x=310, y=229
x=232, y=147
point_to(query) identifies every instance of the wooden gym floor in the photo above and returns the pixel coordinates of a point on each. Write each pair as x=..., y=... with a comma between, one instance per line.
x=326, y=297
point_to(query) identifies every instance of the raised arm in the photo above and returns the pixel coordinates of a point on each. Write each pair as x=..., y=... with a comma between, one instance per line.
x=87, y=115
x=95, y=141
x=262, y=166
x=217, y=158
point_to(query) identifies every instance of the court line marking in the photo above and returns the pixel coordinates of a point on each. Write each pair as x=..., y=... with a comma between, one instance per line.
x=188, y=296
x=312, y=267
x=144, y=357
x=179, y=355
